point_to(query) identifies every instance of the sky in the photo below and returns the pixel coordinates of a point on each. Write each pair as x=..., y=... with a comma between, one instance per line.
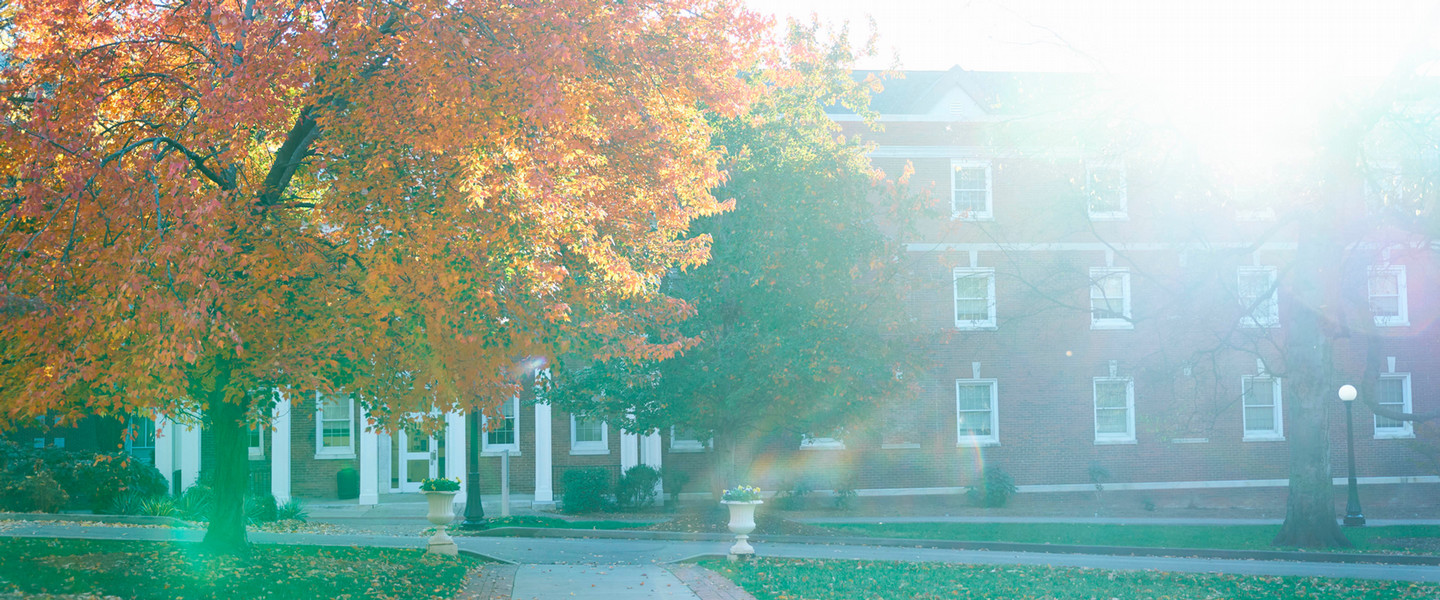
x=1246, y=73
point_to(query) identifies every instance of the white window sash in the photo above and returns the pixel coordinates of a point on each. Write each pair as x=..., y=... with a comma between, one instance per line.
x=514, y=417
x=1402, y=316
x=966, y=439
x=1119, y=213
x=1277, y=411
x=680, y=444
x=958, y=212
x=323, y=451
x=1406, y=428
x=588, y=447
x=975, y=274
x=1271, y=305
x=1128, y=436
x=1097, y=292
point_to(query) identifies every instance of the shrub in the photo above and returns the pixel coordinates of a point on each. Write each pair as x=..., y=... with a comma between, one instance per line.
x=675, y=480
x=90, y=480
x=636, y=488
x=845, y=497
x=260, y=509
x=292, y=510
x=585, y=489
x=194, y=503
x=795, y=498
x=39, y=492
x=994, y=490
x=125, y=504
x=109, y=475
x=158, y=506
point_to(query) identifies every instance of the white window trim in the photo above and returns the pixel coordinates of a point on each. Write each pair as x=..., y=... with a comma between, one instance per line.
x=1114, y=438
x=489, y=449
x=688, y=445
x=988, y=214
x=1115, y=215
x=1276, y=435
x=1403, y=319
x=321, y=452
x=989, y=274
x=1248, y=319
x=257, y=453
x=963, y=440
x=1407, y=429
x=588, y=448
x=1096, y=275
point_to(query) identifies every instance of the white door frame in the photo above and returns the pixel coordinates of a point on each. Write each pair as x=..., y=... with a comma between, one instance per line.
x=406, y=456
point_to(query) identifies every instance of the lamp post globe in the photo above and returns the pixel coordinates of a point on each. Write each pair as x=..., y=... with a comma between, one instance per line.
x=1353, y=515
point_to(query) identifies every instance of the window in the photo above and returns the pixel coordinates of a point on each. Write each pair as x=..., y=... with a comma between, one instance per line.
x=1262, y=416
x=255, y=441
x=140, y=439
x=1105, y=192
x=830, y=442
x=1393, y=393
x=334, y=426
x=686, y=439
x=974, y=298
x=976, y=423
x=970, y=184
x=1110, y=299
x=505, y=433
x=1114, y=410
x=1259, y=297
x=1388, y=296
x=588, y=436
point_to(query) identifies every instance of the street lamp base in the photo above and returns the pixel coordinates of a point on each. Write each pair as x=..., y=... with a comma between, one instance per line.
x=482, y=523
x=1354, y=520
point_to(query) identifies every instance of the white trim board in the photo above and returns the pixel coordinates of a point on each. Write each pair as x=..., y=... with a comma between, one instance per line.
x=1089, y=246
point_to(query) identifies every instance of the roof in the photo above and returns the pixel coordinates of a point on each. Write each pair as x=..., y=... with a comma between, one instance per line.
x=997, y=92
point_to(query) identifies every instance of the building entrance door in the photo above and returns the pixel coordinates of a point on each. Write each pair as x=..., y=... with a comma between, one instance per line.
x=418, y=460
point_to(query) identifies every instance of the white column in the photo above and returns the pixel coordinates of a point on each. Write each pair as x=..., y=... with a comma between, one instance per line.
x=629, y=450
x=544, y=469
x=280, y=448
x=189, y=454
x=165, y=449
x=650, y=455
x=369, y=453
x=455, y=455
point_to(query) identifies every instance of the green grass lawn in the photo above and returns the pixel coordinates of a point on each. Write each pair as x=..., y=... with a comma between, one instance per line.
x=1400, y=538
x=769, y=579
x=146, y=570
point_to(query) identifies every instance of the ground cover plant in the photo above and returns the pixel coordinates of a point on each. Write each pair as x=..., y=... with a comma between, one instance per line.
x=770, y=579
x=146, y=570
x=1403, y=538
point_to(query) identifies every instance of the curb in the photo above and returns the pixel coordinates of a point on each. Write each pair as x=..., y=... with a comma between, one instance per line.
x=1270, y=555
x=81, y=518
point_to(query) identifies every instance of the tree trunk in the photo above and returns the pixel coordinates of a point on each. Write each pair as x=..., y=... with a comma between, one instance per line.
x=231, y=474
x=1315, y=299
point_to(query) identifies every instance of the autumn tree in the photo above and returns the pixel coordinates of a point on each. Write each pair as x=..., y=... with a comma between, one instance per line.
x=397, y=200
x=800, y=312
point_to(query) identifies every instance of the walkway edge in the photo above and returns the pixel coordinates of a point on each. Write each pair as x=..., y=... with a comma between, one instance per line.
x=1318, y=557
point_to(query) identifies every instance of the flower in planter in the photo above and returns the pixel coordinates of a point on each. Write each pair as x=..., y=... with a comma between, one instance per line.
x=741, y=493
x=440, y=484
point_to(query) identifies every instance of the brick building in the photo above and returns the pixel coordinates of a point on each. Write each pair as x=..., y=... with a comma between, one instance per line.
x=1099, y=314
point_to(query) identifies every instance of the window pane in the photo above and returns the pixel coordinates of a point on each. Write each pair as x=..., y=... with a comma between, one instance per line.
x=1385, y=306
x=1384, y=284
x=975, y=423
x=970, y=178
x=1111, y=394
x=973, y=397
x=1260, y=392
x=1259, y=418
x=1391, y=390
x=972, y=310
x=587, y=431
x=1111, y=421
x=970, y=201
x=335, y=408
x=253, y=436
x=972, y=286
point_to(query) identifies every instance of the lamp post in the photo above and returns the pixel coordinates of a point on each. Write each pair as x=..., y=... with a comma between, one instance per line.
x=474, y=508
x=1353, y=517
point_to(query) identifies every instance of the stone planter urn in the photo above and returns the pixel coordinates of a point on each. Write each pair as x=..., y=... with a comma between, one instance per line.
x=742, y=522
x=441, y=513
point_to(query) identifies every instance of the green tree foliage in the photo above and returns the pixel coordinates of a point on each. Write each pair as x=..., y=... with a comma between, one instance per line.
x=800, y=310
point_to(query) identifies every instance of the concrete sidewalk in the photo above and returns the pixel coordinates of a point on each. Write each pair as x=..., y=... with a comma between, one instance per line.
x=1201, y=522
x=569, y=551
